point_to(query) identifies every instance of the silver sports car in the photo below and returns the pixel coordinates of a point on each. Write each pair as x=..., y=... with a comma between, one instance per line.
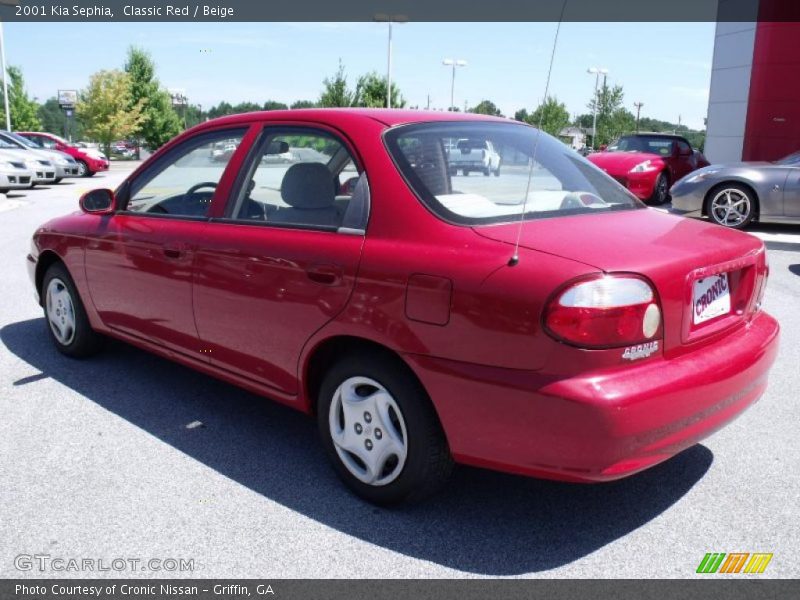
x=736, y=194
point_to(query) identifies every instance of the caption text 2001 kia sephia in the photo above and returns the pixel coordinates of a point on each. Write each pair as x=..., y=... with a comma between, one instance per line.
x=539, y=321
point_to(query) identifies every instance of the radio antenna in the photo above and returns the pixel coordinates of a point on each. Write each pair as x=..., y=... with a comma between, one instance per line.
x=514, y=260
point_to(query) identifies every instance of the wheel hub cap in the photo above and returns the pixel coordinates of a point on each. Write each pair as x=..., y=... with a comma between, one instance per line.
x=60, y=311
x=368, y=431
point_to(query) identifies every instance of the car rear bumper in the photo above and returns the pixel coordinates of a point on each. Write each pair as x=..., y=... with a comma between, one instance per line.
x=601, y=425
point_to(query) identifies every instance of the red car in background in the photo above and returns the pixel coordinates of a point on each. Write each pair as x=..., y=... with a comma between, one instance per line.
x=89, y=161
x=542, y=322
x=649, y=163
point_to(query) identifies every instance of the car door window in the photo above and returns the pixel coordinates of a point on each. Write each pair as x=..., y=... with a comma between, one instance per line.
x=684, y=148
x=182, y=184
x=303, y=178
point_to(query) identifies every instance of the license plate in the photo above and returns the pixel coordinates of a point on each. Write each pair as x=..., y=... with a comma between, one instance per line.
x=711, y=298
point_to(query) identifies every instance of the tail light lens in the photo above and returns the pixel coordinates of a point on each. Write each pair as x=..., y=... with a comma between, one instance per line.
x=605, y=312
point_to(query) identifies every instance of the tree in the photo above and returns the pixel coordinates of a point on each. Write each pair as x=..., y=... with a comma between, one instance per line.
x=24, y=111
x=106, y=109
x=244, y=107
x=273, y=105
x=303, y=104
x=551, y=116
x=521, y=115
x=486, y=107
x=612, y=118
x=335, y=91
x=159, y=122
x=371, y=92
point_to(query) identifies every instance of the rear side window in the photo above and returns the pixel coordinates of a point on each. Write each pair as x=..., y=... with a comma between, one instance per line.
x=535, y=173
x=302, y=177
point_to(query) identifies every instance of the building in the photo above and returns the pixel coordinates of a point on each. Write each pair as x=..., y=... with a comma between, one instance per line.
x=754, y=100
x=574, y=137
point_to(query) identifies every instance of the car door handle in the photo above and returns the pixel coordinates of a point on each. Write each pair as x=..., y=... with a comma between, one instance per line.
x=174, y=250
x=324, y=274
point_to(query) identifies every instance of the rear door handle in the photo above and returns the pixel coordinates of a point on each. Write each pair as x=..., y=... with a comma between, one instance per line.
x=324, y=274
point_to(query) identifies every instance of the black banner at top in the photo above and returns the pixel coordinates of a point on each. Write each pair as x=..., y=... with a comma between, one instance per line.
x=410, y=10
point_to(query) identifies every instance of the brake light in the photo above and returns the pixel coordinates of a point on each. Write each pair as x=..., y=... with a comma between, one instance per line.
x=605, y=312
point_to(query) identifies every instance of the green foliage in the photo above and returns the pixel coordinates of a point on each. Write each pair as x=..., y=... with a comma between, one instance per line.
x=551, y=116
x=335, y=91
x=106, y=108
x=304, y=104
x=612, y=118
x=159, y=122
x=486, y=107
x=274, y=105
x=371, y=92
x=24, y=111
x=521, y=115
x=52, y=117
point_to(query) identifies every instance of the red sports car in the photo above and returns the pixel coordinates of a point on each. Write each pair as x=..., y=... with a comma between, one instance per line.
x=649, y=163
x=543, y=322
x=89, y=161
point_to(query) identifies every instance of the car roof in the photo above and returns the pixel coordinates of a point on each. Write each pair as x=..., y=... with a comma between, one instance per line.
x=653, y=134
x=388, y=116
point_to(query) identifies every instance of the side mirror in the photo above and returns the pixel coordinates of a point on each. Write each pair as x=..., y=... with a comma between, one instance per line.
x=98, y=202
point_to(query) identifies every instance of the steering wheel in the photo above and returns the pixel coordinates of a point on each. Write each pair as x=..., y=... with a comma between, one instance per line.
x=197, y=186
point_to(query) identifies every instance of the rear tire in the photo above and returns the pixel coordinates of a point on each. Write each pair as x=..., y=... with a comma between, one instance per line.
x=390, y=447
x=497, y=170
x=65, y=315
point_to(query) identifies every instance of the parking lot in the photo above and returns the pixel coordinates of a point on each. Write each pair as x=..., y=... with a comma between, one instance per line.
x=130, y=456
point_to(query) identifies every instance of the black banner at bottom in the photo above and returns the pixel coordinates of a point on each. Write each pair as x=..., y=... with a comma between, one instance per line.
x=394, y=589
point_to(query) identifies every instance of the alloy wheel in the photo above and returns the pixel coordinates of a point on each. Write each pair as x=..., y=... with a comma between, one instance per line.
x=730, y=207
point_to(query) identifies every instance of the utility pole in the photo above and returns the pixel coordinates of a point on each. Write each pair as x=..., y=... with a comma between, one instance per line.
x=596, y=72
x=638, y=106
x=428, y=106
x=449, y=62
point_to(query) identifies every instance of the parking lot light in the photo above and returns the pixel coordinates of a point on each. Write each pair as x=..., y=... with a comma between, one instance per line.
x=390, y=19
x=596, y=71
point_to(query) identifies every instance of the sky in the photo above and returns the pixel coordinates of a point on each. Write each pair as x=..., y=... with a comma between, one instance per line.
x=667, y=66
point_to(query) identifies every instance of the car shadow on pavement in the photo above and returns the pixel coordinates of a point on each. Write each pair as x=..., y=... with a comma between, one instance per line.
x=484, y=522
x=795, y=269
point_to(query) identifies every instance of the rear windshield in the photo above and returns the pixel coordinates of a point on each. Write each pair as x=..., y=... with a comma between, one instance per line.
x=558, y=181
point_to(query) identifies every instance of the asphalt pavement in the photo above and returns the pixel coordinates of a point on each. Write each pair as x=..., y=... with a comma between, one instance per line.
x=129, y=456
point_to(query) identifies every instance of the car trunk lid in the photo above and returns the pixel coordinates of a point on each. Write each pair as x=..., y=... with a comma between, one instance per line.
x=683, y=258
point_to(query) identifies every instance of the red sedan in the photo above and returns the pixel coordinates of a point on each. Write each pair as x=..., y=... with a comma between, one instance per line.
x=89, y=161
x=543, y=322
x=649, y=163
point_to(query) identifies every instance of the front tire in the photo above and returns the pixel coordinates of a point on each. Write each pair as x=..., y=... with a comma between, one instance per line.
x=83, y=169
x=731, y=205
x=65, y=315
x=660, y=193
x=380, y=430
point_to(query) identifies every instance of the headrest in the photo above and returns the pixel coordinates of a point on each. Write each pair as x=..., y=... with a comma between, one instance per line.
x=308, y=185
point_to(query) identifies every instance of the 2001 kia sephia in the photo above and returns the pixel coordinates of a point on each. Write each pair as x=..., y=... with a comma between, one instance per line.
x=542, y=322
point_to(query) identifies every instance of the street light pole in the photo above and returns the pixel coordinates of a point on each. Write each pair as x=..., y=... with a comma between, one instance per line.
x=5, y=79
x=638, y=106
x=389, y=19
x=596, y=72
x=449, y=62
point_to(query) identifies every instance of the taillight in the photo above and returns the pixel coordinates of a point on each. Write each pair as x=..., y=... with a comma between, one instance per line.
x=605, y=312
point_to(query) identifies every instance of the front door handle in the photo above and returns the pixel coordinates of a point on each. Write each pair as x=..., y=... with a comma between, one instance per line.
x=174, y=250
x=325, y=274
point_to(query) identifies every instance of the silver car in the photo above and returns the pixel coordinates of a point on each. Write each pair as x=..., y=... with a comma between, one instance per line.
x=737, y=194
x=63, y=164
